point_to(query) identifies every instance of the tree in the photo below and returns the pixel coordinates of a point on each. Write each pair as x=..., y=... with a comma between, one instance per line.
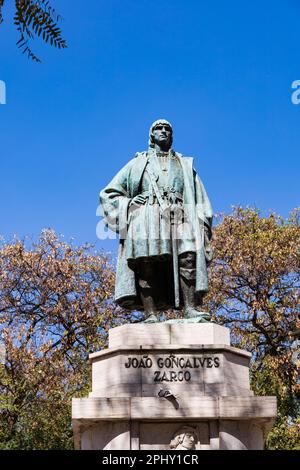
x=35, y=18
x=255, y=290
x=55, y=308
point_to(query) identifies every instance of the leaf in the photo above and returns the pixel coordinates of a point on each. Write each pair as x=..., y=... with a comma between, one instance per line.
x=37, y=18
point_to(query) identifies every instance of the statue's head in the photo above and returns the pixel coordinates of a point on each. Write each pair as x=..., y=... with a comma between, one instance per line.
x=161, y=134
x=185, y=437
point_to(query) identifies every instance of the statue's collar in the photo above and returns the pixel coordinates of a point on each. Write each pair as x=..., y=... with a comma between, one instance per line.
x=152, y=153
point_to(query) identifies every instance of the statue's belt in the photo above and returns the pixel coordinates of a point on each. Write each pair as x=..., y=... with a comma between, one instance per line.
x=166, y=194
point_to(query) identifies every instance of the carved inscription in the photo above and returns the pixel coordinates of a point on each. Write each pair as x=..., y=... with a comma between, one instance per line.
x=183, y=366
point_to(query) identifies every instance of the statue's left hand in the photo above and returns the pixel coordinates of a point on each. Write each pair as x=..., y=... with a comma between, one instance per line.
x=138, y=200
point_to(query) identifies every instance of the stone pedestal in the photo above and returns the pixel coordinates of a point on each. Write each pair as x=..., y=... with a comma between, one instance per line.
x=155, y=380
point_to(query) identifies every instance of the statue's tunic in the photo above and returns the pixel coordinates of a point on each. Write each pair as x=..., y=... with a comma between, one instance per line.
x=149, y=230
x=120, y=217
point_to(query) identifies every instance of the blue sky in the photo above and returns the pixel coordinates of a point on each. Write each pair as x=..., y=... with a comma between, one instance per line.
x=220, y=71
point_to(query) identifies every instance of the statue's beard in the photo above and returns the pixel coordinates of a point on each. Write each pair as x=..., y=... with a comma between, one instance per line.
x=164, y=145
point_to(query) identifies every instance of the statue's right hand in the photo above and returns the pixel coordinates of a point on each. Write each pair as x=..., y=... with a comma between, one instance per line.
x=138, y=200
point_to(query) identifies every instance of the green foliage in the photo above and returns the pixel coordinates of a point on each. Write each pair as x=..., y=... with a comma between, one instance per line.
x=36, y=18
x=41, y=426
x=254, y=290
x=55, y=309
x=285, y=434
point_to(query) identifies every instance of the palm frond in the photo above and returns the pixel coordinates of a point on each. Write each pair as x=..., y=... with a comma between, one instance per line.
x=1, y=5
x=37, y=18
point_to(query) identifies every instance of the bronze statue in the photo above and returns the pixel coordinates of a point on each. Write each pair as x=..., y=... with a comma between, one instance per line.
x=159, y=207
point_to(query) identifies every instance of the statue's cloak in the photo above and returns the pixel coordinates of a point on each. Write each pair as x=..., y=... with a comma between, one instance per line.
x=115, y=200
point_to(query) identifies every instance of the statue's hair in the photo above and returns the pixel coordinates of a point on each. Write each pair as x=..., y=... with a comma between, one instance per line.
x=153, y=126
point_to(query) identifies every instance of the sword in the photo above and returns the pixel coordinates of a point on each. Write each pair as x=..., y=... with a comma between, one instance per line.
x=175, y=257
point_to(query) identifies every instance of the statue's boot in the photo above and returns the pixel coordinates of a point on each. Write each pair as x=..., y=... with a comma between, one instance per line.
x=188, y=287
x=191, y=312
x=151, y=313
x=151, y=319
x=147, y=291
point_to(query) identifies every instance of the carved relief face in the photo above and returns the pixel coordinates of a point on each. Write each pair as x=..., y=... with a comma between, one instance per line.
x=162, y=136
x=189, y=441
x=184, y=438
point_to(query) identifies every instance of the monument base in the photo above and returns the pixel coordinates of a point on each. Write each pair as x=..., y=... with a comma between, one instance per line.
x=171, y=386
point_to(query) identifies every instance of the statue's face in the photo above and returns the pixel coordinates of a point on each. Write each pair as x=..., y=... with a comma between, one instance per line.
x=162, y=134
x=189, y=441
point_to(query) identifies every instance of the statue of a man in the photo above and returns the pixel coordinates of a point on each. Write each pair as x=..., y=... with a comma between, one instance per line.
x=159, y=207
